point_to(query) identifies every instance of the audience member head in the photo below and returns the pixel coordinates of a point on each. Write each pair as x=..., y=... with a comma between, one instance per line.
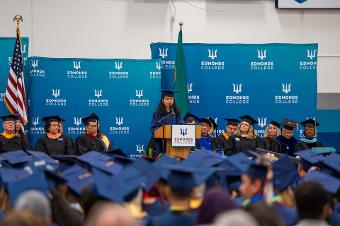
x=8, y=123
x=264, y=214
x=235, y=218
x=252, y=181
x=272, y=130
x=20, y=218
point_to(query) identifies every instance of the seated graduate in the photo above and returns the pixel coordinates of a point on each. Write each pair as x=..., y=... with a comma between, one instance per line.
x=244, y=139
x=167, y=112
x=207, y=140
x=92, y=140
x=54, y=142
x=287, y=139
x=269, y=142
x=9, y=140
x=230, y=130
x=309, y=140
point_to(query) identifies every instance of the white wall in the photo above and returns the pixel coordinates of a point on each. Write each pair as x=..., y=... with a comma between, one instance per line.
x=125, y=28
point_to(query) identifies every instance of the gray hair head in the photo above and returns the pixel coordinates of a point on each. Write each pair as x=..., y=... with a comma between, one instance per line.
x=35, y=202
x=235, y=218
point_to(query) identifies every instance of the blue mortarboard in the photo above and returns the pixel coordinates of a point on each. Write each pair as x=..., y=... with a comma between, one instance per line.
x=132, y=180
x=16, y=157
x=309, y=158
x=323, y=150
x=9, y=175
x=210, y=158
x=148, y=170
x=53, y=179
x=285, y=173
x=241, y=161
x=331, y=184
x=181, y=182
x=230, y=168
x=77, y=178
x=191, y=117
x=333, y=162
x=232, y=121
x=119, y=156
x=101, y=161
x=249, y=119
x=91, y=118
x=41, y=159
x=36, y=181
x=165, y=160
x=9, y=117
x=257, y=171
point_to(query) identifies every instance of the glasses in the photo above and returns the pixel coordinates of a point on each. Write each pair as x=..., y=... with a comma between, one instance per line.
x=245, y=124
x=9, y=123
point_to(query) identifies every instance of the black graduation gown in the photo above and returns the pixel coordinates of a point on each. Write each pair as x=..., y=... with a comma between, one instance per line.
x=271, y=144
x=238, y=144
x=84, y=144
x=301, y=145
x=287, y=145
x=60, y=146
x=174, y=218
x=13, y=144
x=222, y=141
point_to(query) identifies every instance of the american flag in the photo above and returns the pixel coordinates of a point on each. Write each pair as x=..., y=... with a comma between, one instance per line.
x=15, y=97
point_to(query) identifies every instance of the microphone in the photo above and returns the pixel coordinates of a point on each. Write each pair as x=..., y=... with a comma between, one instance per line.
x=172, y=110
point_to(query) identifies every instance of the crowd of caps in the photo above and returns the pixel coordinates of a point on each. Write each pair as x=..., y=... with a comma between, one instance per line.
x=206, y=188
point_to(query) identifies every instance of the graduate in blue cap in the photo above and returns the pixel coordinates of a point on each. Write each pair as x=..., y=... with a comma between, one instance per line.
x=269, y=142
x=54, y=142
x=287, y=139
x=230, y=130
x=207, y=141
x=309, y=140
x=244, y=139
x=9, y=140
x=92, y=140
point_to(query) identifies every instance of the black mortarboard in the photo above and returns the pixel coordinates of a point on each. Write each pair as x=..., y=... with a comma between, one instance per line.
x=249, y=119
x=274, y=123
x=210, y=121
x=289, y=124
x=54, y=118
x=9, y=117
x=310, y=123
x=232, y=121
x=168, y=92
x=191, y=117
x=91, y=118
x=257, y=171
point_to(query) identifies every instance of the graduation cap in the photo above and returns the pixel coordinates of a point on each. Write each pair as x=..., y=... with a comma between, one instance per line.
x=149, y=171
x=323, y=150
x=168, y=92
x=191, y=117
x=210, y=158
x=54, y=118
x=8, y=175
x=284, y=173
x=331, y=184
x=91, y=118
x=310, y=123
x=309, y=158
x=249, y=119
x=16, y=157
x=53, y=179
x=101, y=161
x=42, y=158
x=264, y=152
x=274, y=123
x=9, y=117
x=119, y=156
x=77, y=178
x=257, y=171
x=333, y=162
x=289, y=124
x=232, y=121
x=241, y=161
x=36, y=181
x=210, y=121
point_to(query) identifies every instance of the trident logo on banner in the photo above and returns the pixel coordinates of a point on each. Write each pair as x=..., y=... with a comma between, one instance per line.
x=56, y=92
x=77, y=121
x=184, y=131
x=119, y=120
x=158, y=65
x=35, y=63
x=262, y=122
x=76, y=65
x=24, y=48
x=212, y=53
x=311, y=54
x=189, y=87
x=139, y=93
x=118, y=65
x=237, y=88
x=261, y=54
x=163, y=52
x=35, y=121
x=98, y=93
x=286, y=87
x=139, y=148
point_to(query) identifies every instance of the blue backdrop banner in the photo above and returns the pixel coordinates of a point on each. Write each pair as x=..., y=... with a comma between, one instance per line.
x=6, y=54
x=123, y=93
x=266, y=81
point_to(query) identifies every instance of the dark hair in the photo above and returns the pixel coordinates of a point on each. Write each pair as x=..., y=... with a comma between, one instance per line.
x=162, y=110
x=48, y=124
x=264, y=214
x=310, y=198
x=216, y=201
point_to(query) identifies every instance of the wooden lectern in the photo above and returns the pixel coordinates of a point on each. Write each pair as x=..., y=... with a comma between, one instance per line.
x=164, y=132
